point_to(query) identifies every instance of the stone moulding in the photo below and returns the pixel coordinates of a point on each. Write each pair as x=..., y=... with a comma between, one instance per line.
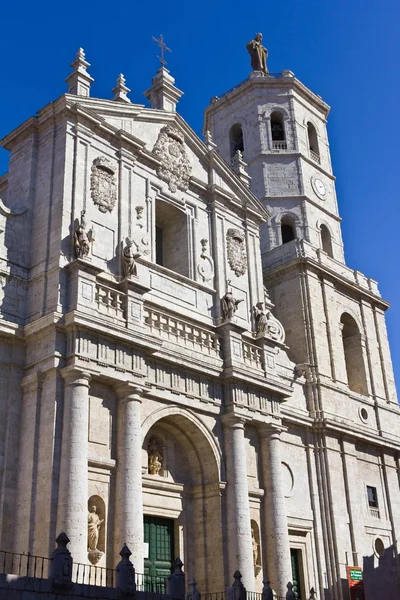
x=175, y=168
x=236, y=249
x=103, y=184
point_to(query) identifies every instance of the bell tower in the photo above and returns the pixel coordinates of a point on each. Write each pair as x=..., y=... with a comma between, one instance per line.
x=278, y=127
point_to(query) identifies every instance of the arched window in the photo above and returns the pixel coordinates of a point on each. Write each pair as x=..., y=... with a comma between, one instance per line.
x=313, y=142
x=171, y=238
x=278, y=132
x=353, y=355
x=236, y=139
x=326, y=240
x=288, y=229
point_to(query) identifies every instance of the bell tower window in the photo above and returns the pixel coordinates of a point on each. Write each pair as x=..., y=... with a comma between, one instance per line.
x=288, y=230
x=278, y=132
x=313, y=142
x=236, y=139
x=353, y=355
x=326, y=240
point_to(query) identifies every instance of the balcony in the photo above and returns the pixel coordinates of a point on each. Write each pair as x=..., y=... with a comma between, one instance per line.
x=278, y=146
x=315, y=157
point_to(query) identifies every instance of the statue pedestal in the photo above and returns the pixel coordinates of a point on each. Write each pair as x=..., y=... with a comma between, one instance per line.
x=94, y=556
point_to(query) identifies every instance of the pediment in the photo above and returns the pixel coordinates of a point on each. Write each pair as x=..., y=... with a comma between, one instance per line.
x=168, y=140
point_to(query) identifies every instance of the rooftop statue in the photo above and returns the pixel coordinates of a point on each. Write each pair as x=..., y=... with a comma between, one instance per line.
x=258, y=53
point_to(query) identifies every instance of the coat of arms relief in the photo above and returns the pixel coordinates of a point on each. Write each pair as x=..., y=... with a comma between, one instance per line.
x=236, y=248
x=175, y=168
x=103, y=184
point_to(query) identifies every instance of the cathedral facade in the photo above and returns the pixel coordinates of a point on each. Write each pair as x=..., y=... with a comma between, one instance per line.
x=188, y=365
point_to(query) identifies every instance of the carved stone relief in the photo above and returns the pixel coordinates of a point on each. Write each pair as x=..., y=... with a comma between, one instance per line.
x=175, y=168
x=206, y=266
x=266, y=325
x=236, y=248
x=103, y=184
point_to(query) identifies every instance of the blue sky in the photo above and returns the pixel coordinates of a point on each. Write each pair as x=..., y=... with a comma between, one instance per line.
x=344, y=50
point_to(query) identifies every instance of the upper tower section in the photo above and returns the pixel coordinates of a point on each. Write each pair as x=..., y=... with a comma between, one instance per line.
x=279, y=126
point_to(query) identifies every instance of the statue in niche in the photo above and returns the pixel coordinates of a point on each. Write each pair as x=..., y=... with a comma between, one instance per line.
x=258, y=54
x=94, y=524
x=81, y=240
x=229, y=305
x=256, y=554
x=128, y=259
x=155, y=458
x=254, y=546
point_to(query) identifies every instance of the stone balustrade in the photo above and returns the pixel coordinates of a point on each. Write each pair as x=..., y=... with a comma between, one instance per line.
x=182, y=332
x=252, y=355
x=110, y=302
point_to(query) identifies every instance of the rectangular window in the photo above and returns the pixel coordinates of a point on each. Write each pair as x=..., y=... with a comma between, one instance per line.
x=372, y=497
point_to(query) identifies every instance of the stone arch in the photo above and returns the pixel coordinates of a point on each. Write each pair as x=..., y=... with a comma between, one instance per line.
x=352, y=338
x=195, y=423
x=192, y=479
x=326, y=237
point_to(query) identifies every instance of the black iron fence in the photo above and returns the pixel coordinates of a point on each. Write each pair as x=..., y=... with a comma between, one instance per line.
x=24, y=565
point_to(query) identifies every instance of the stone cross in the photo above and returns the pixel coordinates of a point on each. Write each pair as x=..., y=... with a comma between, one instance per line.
x=163, y=48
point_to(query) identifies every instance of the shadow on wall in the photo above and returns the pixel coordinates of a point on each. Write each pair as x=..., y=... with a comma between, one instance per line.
x=381, y=573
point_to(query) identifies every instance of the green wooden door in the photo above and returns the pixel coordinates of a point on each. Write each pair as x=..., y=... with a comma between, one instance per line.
x=294, y=557
x=159, y=535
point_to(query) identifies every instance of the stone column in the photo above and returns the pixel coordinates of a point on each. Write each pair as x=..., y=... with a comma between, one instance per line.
x=73, y=487
x=128, y=497
x=276, y=540
x=240, y=548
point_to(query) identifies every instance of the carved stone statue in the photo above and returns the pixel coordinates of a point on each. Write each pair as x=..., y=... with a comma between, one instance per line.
x=255, y=547
x=128, y=259
x=155, y=459
x=94, y=524
x=229, y=305
x=258, y=54
x=260, y=317
x=81, y=240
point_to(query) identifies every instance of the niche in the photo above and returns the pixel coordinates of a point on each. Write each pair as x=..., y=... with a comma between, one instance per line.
x=155, y=456
x=255, y=541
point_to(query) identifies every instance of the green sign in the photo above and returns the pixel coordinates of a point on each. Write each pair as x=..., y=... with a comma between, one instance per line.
x=356, y=574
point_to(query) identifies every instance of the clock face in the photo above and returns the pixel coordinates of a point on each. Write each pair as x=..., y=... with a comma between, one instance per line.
x=319, y=187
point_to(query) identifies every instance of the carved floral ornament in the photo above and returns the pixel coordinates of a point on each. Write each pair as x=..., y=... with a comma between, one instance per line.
x=236, y=248
x=175, y=168
x=103, y=184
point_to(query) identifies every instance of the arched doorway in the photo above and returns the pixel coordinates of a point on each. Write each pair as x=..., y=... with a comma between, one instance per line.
x=182, y=498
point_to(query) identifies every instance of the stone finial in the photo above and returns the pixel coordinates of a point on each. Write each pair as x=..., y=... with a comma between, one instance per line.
x=193, y=593
x=239, y=166
x=313, y=594
x=238, y=589
x=176, y=581
x=267, y=593
x=121, y=90
x=125, y=572
x=61, y=563
x=290, y=595
x=163, y=94
x=79, y=81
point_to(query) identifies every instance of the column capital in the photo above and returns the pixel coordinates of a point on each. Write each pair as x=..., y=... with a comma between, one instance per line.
x=271, y=430
x=233, y=421
x=74, y=376
x=128, y=391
